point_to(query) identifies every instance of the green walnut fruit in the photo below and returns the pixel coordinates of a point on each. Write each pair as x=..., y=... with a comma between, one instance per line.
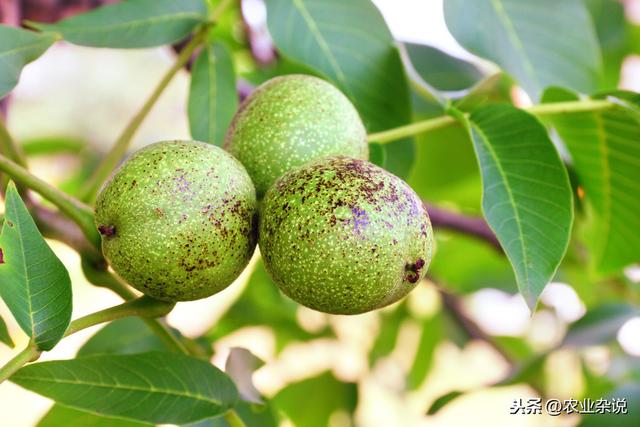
x=289, y=121
x=343, y=236
x=178, y=220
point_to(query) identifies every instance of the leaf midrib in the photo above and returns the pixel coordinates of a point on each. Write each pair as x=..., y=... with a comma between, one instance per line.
x=34, y=45
x=511, y=201
x=123, y=387
x=606, y=177
x=324, y=46
x=23, y=264
x=513, y=37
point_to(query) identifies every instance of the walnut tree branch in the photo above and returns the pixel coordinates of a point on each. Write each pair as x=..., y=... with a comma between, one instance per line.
x=473, y=226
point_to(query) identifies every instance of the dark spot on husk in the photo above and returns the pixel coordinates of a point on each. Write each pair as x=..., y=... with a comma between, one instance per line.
x=1, y=256
x=413, y=270
x=107, y=230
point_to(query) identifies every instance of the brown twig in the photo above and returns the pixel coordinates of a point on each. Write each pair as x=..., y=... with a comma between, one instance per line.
x=453, y=305
x=473, y=226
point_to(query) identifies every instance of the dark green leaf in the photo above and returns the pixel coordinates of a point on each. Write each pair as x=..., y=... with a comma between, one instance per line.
x=515, y=35
x=606, y=157
x=441, y=70
x=261, y=303
x=123, y=336
x=599, y=325
x=213, y=99
x=18, y=47
x=150, y=387
x=349, y=43
x=35, y=284
x=62, y=416
x=131, y=23
x=526, y=193
x=443, y=400
x=310, y=403
x=4, y=334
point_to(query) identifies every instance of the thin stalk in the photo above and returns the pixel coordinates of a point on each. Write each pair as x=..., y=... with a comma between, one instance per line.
x=80, y=213
x=100, y=276
x=9, y=148
x=144, y=307
x=29, y=354
x=217, y=12
x=568, y=107
x=233, y=419
x=119, y=149
x=411, y=129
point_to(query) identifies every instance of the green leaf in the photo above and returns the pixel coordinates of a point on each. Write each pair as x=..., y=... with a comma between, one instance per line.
x=123, y=336
x=350, y=44
x=18, y=47
x=35, y=284
x=151, y=387
x=310, y=403
x=131, y=23
x=441, y=70
x=606, y=156
x=443, y=400
x=515, y=35
x=4, y=334
x=526, y=193
x=62, y=416
x=599, y=325
x=213, y=99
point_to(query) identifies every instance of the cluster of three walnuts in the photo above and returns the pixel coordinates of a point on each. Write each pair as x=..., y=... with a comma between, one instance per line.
x=180, y=219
